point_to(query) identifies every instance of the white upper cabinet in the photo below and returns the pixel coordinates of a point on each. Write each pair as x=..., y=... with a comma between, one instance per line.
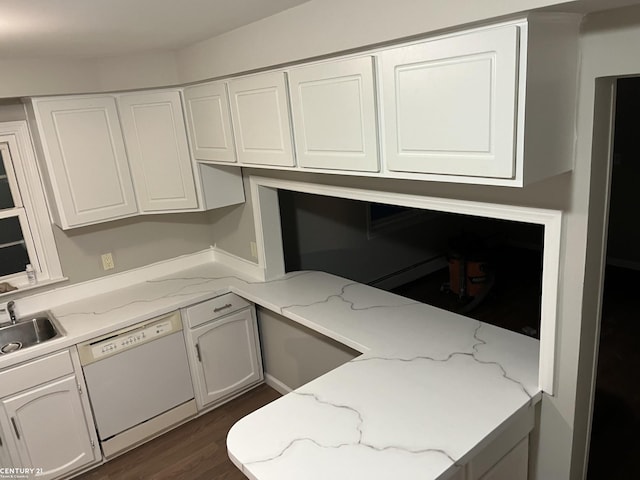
x=450, y=104
x=261, y=123
x=85, y=159
x=334, y=115
x=209, y=122
x=156, y=140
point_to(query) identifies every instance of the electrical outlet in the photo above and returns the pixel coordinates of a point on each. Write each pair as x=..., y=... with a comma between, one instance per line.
x=107, y=261
x=254, y=249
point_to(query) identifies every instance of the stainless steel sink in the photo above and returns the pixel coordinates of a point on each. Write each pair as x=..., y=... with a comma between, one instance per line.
x=28, y=332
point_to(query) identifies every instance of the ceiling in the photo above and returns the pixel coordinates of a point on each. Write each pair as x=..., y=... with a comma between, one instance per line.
x=98, y=28
x=104, y=28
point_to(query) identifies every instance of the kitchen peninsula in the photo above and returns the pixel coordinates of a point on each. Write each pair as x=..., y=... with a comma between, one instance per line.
x=430, y=391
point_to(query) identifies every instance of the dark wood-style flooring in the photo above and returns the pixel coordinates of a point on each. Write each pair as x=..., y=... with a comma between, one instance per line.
x=194, y=451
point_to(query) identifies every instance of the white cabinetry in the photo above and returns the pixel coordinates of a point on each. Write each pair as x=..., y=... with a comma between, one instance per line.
x=85, y=159
x=261, y=123
x=223, y=347
x=49, y=424
x=450, y=104
x=91, y=179
x=513, y=466
x=334, y=115
x=5, y=458
x=494, y=105
x=209, y=122
x=156, y=140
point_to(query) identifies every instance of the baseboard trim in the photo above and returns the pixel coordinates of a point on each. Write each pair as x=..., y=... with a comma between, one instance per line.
x=276, y=384
x=410, y=274
x=240, y=264
x=623, y=263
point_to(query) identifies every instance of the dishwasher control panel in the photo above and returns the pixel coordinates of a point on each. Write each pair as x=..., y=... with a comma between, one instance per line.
x=128, y=338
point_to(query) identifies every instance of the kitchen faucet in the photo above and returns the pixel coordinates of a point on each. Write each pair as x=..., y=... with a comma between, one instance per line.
x=10, y=309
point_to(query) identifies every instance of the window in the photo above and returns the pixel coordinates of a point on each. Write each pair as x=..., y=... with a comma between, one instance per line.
x=26, y=236
x=16, y=247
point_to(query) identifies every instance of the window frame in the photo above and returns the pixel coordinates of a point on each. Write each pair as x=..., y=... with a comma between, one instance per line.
x=33, y=212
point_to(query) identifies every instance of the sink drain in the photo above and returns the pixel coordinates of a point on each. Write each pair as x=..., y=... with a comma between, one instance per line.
x=11, y=347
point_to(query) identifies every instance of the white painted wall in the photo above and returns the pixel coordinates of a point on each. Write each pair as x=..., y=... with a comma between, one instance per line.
x=322, y=27
x=609, y=49
x=295, y=355
x=154, y=69
x=54, y=76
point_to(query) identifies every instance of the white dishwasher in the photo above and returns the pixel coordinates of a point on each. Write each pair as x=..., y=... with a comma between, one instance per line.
x=138, y=381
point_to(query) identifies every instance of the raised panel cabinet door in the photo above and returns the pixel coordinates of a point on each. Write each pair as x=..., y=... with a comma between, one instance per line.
x=5, y=452
x=209, y=122
x=50, y=429
x=86, y=159
x=513, y=466
x=261, y=120
x=226, y=356
x=450, y=104
x=334, y=115
x=156, y=139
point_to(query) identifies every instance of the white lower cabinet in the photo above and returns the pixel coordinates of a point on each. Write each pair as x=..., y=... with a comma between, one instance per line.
x=224, y=352
x=506, y=457
x=513, y=466
x=5, y=457
x=47, y=427
x=51, y=432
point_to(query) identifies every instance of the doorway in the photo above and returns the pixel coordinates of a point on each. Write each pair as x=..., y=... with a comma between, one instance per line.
x=614, y=443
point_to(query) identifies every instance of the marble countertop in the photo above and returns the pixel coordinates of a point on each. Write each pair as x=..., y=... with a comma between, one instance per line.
x=428, y=391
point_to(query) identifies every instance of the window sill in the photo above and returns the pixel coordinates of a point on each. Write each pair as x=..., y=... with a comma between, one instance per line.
x=26, y=287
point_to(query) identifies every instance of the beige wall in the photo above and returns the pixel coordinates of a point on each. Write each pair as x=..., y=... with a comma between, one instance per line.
x=322, y=27
x=315, y=28
x=54, y=76
x=134, y=242
x=233, y=227
x=609, y=49
x=293, y=354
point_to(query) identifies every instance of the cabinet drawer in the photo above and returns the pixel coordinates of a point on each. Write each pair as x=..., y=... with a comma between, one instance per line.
x=34, y=373
x=214, y=308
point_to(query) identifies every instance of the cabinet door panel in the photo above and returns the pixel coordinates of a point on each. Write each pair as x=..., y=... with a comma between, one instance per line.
x=209, y=121
x=86, y=159
x=450, y=104
x=226, y=356
x=155, y=136
x=513, y=466
x=260, y=115
x=333, y=107
x=50, y=429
